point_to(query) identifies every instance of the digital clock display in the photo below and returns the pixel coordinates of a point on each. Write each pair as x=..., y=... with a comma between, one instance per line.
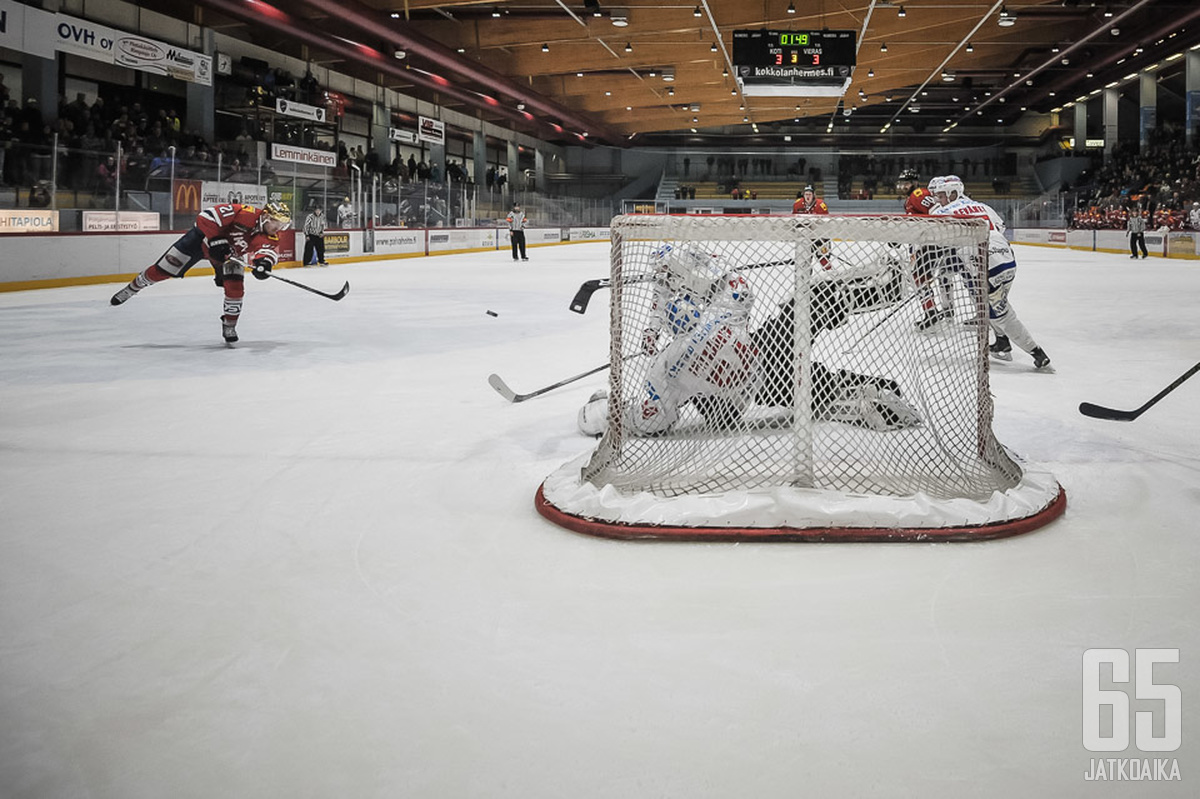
x=800, y=52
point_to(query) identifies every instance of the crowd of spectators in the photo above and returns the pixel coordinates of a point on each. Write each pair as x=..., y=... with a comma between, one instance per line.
x=1162, y=183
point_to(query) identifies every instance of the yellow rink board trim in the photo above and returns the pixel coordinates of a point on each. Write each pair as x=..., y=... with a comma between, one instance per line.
x=202, y=271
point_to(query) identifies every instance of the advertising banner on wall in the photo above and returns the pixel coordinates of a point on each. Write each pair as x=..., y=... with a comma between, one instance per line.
x=213, y=192
x=66, y=34
x=101, y=221
x=300, y=110
x=24, y=220
x=403, y=136
x=186, y=196
x=431, y=130
x=303, y=155
x=12, y=25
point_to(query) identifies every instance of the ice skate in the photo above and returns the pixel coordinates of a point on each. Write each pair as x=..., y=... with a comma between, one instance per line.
x=931, y=319
x=123, y=295
x=229, y=330
x=1040, y=359
x=1001, y=349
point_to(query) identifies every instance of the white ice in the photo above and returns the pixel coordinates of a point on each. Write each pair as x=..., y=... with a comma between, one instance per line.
x=310, y=566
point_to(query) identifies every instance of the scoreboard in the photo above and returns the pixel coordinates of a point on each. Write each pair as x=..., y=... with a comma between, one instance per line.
x=794, y=62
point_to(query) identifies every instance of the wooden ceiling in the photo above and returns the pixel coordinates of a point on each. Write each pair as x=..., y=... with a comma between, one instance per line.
x=571, y=65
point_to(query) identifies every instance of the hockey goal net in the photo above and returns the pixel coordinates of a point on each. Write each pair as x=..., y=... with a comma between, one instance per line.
x=798, y=378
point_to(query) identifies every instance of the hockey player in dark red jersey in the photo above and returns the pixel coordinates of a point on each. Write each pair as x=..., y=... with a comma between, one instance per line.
x=808, y=203
x=232, y=236
x=919, y=201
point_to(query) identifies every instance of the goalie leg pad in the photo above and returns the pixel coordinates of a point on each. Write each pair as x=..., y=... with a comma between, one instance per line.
x=593, y=416
x=866, y=405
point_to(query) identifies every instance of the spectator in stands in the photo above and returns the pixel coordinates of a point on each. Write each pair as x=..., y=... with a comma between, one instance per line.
x=345, y=214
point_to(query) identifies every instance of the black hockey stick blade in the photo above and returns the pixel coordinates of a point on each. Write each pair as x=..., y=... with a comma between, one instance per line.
x=584, y=295
x=512, y=396
x=335, y=297
x=1101, y=412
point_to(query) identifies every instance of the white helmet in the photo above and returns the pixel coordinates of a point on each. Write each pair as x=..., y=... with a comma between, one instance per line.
x=689, y=270
x=953, y=186
x=935, y=184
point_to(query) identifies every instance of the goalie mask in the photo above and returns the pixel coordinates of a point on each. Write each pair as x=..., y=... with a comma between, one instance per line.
x=688, y=270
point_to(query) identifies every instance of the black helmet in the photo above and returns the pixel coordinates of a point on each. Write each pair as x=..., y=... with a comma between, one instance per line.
x=908, y=174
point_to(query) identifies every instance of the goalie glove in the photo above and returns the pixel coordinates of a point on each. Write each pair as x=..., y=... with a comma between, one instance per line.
x=219, y=250
x=262, y=268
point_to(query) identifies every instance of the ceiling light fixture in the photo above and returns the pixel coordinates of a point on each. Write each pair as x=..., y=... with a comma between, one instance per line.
x=496, y=12
x=545, y=48
x=970, y=47
x=697, y=12
x=900, y=12
x=870, y=73
x=619, y=17
x=713, y=48
x=1007, y=18
x=883, y=47
x=791, y=9
x=628, y=47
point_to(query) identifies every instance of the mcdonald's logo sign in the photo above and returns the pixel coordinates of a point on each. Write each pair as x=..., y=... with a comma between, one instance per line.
x=187, y=196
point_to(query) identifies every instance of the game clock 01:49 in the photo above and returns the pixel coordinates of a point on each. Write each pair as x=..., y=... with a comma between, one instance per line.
x=800, y=49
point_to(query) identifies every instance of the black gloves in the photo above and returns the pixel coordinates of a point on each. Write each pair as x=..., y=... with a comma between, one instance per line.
x=219, y=250
x=262, y=268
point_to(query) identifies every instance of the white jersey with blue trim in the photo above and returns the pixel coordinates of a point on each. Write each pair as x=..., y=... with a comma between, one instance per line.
x=999, y=250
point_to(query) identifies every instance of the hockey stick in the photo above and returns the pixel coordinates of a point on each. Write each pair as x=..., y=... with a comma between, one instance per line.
x=582, y=297
x=335, y=297
x=512, y=396
x=899, y=305
x=1100, y=412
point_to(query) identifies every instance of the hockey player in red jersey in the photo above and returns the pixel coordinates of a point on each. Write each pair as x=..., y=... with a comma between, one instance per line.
x=808, y=203
x=919, y=201
x=232, y=236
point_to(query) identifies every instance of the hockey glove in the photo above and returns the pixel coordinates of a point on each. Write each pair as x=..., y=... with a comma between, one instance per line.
x=219, y=250
x=262, y=268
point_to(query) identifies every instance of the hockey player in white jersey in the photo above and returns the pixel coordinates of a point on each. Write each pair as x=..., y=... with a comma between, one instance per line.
x=701, y=314
x=1002, y=270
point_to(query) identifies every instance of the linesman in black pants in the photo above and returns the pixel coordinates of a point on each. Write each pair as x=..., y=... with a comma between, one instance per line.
x=516, y=225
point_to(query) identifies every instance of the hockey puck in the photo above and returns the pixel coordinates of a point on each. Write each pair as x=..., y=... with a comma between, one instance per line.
x=492, y=313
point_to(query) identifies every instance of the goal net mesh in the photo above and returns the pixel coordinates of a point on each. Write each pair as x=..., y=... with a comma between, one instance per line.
x=818, y=376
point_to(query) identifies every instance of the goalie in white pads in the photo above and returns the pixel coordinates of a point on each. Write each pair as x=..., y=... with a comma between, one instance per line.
x=707, y=360
x=714, y=362
x=1002, y=270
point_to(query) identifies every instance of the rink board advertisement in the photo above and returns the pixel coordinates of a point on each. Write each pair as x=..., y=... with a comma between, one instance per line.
x=26, y=220
x=212, y=192
x=103, y=221
x=446, y=239
x=587, y=234
x=1184, y=244
x=399, y=241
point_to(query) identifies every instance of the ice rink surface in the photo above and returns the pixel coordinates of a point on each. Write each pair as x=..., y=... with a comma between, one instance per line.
x=310, y=566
